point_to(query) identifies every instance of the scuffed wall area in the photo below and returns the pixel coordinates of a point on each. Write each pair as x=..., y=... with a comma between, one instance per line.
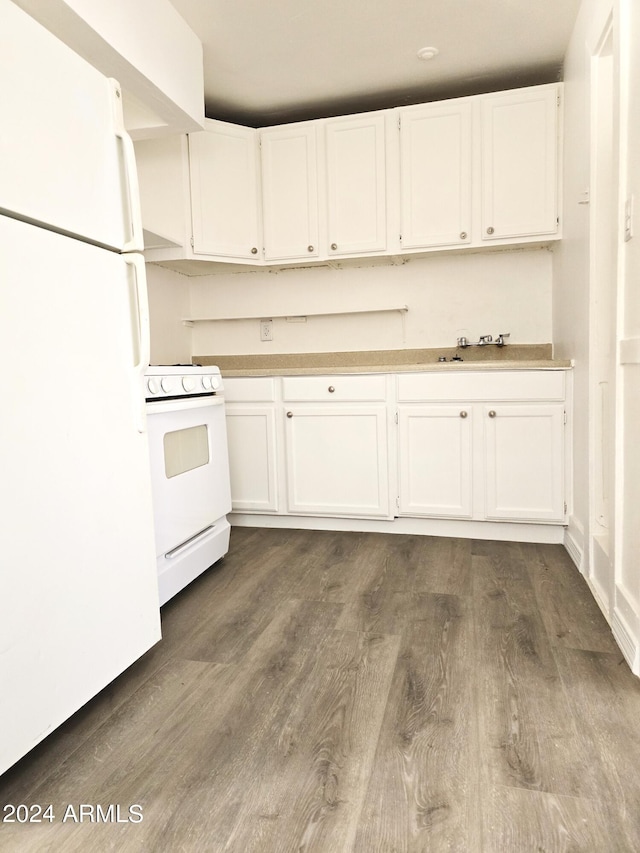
x=447, y=296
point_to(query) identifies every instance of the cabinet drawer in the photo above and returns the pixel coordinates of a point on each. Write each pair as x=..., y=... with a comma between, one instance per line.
x=333, y=388
x=250, y=389
x=471, y=386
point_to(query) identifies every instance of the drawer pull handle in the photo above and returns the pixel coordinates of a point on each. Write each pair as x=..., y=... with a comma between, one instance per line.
x=289, y=414
x=463, y=235
x=463, y=414
x=490, y=229
x=492, y=414
x=334, y=246
x=331, y=389
x=310, y=249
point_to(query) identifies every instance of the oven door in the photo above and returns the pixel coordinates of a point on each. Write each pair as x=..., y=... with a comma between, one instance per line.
x=189, y=468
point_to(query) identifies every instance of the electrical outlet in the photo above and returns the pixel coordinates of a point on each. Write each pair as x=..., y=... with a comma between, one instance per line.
x=266, y=330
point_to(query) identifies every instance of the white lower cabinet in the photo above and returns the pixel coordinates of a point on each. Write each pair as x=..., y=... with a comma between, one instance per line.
x=251, y=434
x=487, y=461
x=253, y=446
x=470, y=446
x=336, y=459
x=436, y=453
x=524, y=462
x=336, y=445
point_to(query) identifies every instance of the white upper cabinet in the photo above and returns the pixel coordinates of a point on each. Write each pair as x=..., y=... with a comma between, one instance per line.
x=520, y=163
x=290, y=191
x=447, y=175
x=223, y=161
x=435, y=174
x=356, y=208
x=163, y=177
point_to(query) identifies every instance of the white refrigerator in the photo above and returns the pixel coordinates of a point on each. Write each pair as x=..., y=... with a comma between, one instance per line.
x=78, y=585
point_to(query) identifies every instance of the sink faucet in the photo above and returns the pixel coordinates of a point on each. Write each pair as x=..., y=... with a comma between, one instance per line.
x=484, y=341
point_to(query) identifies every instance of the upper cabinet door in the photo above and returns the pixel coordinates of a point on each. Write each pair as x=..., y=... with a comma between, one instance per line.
x=356, y=184
x=290, y=191
x=435, y=174
x=223, y=161
x=520, y=163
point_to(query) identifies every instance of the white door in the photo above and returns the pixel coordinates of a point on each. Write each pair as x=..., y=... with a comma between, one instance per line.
x=519, y=163
x=337, y=460
x=251, y=433
x=65, y=160
x=223, y=166
x=524, y=462
x=356, y=184
x=290, y=191
x=435, y=446
x=435, y=151
x=79, y=596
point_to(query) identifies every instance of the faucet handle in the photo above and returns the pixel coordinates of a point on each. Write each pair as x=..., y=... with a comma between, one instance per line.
x=501, y=337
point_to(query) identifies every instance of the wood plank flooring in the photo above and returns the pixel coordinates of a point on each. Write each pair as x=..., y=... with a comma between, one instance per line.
x=355, y=693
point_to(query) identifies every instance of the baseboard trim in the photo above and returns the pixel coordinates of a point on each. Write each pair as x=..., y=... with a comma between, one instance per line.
x=499, y=531
x=573, y=549
x=624, y=639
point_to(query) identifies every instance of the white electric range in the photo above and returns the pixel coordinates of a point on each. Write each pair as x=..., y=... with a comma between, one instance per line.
x=189, y=471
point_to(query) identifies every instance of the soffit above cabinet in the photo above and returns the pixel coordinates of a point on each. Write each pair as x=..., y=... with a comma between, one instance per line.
x=146, y=46
x=270, y=63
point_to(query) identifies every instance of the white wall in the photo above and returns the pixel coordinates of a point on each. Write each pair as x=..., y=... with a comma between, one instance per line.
x=571, y=300
x=571, y=259
x=627, y=596
x=448, y=295
x=168, y=305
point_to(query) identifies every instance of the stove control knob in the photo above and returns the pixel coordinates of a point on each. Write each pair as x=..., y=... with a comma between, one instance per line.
x=215, y=382
x=188, y=383
x=206, y=383
x=166, y=383
x=152, y=385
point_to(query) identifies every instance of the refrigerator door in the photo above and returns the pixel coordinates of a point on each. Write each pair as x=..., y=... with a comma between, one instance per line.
x=79, y=599
x=65, y=160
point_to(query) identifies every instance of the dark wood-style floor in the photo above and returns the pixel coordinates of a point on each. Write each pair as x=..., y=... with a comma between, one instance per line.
x=333, y=692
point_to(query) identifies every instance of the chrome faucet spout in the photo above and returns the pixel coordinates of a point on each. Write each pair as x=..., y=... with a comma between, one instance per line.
x=485, y=340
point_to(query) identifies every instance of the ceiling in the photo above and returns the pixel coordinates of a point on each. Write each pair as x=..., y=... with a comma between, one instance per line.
x=268, y=62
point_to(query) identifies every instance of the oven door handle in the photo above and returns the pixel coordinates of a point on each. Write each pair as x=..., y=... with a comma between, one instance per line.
x=190, y=543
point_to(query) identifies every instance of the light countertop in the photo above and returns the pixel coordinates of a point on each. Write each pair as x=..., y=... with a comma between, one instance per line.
x=509, y=357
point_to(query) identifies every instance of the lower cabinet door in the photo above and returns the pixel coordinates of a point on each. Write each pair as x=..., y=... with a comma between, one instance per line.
x=251, y=435
x=524, y=462
x=435, y=465
x=337, y=460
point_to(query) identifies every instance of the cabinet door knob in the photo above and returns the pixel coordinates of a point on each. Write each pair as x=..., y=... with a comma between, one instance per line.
x=289, y=414
x=492, y=414
x=331, y=389
x=334, y=246
x=309, y=248
x=463, y=235
x=254, y=251
x=490, y=230
x=463, y=414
